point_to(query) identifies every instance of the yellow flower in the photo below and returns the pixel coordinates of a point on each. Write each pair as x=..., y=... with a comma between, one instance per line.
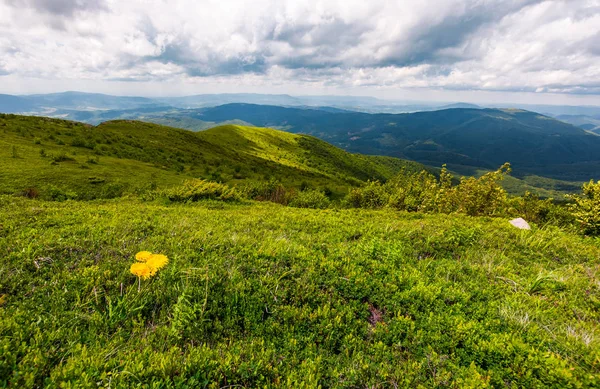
x=157, y=261
x=143, y=256
x=142, y=270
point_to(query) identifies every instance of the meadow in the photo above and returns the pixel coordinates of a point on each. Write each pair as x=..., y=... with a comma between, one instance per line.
x=263, y=295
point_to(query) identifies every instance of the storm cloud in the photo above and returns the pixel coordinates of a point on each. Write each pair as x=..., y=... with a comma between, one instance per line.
x=59, y=7
x=489, y=45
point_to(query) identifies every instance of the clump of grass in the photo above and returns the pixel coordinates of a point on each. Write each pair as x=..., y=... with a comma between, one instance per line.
x=61, y=157
x=195, y=190
x=543, y=281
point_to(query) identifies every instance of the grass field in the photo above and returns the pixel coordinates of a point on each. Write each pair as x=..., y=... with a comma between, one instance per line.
x=261, y=295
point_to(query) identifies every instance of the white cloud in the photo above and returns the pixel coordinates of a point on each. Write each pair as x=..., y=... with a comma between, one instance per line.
x=489, y=45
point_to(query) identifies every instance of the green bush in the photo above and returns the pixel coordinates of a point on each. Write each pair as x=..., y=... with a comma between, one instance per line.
x=413, y=192
x=57, y=194
x=372, y=195
x=586, y=208
x=195, y=190
x=483, y=196
x=113, y=190
x=62, y=157
x=539, y=211
x=314, y=199
x=270, y=190
x=423, y=192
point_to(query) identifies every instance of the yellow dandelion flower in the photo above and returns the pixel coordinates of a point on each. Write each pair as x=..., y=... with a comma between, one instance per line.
x=142, y=270
x=143, y=256
x=157, y=261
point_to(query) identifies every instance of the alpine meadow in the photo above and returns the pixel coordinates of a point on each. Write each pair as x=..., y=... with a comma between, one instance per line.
x=286, y=194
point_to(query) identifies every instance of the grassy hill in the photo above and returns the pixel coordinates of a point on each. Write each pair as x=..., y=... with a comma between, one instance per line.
x=80, y=160
x=261, y=295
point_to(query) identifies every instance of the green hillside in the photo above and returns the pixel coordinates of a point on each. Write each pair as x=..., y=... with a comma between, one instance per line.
x=83, y=161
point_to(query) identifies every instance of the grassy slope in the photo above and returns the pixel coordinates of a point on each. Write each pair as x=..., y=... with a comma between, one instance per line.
x=78, y=175
x=134, y=154
x=188, y=123
x=261, y=295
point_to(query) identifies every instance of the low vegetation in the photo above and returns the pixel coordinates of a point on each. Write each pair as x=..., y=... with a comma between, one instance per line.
x=265, y=295
x=482, y=196
x=587, y=208
x=63, y=159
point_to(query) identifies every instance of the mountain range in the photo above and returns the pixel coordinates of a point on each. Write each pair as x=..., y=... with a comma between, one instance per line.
x=467, y=137
x=68, y=102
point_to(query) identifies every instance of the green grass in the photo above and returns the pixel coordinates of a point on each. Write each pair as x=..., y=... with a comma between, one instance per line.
x=261, y=295
x=127, y=156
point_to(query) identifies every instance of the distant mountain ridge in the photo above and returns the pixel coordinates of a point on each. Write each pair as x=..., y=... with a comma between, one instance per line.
x=54, y=103
x=465, y=136
x=483, y=138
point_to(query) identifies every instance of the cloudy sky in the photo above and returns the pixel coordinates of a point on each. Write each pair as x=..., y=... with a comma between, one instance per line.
x=488, y=50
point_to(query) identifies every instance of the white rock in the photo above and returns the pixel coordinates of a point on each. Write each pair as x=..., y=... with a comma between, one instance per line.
x=520, y=223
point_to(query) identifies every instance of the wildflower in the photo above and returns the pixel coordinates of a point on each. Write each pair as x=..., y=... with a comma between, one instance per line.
x=142, y=270
x=143, y=256
x=157, y=261
x=148, y=265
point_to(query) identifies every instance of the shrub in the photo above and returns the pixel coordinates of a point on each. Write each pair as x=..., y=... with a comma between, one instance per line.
x=58, y=194
x=195, y=190
x=483, y=196
x=414, y=192
x=422, y=192
x=78, y=142
x=271, y=190
x=586, y=208
x=372, y=195
x=61, y=158
x=539, y=211
x=31, y=193
x=112, y=190
x=315, y=199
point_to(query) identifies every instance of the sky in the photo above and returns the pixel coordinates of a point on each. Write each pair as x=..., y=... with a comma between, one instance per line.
x=526, y=51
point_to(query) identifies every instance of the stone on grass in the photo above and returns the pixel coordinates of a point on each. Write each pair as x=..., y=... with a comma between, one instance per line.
x=520, y=223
